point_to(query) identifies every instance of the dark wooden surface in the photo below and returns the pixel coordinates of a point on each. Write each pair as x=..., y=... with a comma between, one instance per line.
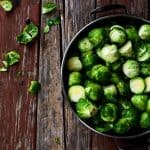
x=46, y=122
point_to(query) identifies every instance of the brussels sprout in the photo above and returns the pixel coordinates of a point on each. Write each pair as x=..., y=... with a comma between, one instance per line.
x=74, y=64
x=143, y=52
x=132, y=33
x=105, y=127
x=145, y=68
x=126, y=50
x=108, y=53
x=108, y=112
x=110, y=92
x=96, y=36
x=147, y=85
x=131, y=68
x=139, y=101
x=74, y=78
x=145, y=120
x=7, y=5
x=85, y=109
x=30, y=31
x=124, y=104
x=132, y=116
x=99, y=73
x=76, y=92
x=115, y=78
x=122, y=126
x=148, y=106
x=48, y=7
x=93, y=90
x=137, y=85
x=34, y=87
x=117, y=35
x=144, y=32
x=89, y=59
x=123, y=88
x=85, y=45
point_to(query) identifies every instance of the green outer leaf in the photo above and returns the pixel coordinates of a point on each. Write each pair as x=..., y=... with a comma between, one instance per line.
x=48, y=7
x=46, y=29
x=34, y=87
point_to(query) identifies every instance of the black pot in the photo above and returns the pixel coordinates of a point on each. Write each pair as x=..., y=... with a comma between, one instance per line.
x=103, y=21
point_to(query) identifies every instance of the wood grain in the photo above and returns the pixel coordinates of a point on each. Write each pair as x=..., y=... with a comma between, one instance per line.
x=75, y=16
x=50, y=131
x=17, y=107
x=46, y=122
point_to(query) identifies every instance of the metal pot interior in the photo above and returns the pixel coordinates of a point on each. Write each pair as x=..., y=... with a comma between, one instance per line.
x=72, y=49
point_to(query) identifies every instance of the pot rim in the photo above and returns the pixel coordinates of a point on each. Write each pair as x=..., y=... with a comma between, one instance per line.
x=62, y=81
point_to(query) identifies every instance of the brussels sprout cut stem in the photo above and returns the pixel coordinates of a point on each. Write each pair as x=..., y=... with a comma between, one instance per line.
x=137, y=85
x=76, y=92
x=74, y=64
x=131, y=68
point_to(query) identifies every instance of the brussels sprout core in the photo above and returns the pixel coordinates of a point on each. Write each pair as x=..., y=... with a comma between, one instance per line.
x=131, y=68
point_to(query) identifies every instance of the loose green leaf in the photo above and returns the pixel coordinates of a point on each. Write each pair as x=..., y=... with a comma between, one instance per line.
x=7, y=5
x=48, y=7
x=34, y=87
x=53, y=21
x=30, y=31
x=3, y=69
x=10, y=59
x=46, y=29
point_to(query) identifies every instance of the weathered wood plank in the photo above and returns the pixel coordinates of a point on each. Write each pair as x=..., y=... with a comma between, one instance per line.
x=17, y=107
x=50, y=131
x=76, y=15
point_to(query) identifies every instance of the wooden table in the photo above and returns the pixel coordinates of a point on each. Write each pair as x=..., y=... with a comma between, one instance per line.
x=45, y=122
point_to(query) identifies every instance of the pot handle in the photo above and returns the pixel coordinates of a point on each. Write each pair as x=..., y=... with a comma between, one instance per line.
x=108, y=8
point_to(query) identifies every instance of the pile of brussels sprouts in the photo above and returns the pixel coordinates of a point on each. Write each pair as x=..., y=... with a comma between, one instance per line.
x=109, y=79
